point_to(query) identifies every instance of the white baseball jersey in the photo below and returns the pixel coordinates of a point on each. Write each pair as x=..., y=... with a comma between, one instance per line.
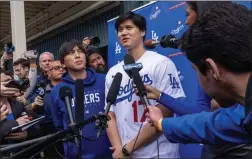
x=160, y=72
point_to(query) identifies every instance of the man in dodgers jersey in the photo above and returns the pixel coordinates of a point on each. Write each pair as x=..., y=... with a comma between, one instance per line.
x=127, y=114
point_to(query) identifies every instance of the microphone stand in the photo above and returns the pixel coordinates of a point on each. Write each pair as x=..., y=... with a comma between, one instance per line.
x=56, y=136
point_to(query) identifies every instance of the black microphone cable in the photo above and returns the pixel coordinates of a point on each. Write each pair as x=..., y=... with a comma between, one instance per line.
x=138, y=136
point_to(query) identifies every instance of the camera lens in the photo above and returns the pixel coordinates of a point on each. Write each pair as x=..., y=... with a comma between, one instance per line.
x=95, y=41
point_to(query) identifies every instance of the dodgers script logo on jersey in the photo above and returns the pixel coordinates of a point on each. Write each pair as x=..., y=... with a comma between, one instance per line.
x=127, y=91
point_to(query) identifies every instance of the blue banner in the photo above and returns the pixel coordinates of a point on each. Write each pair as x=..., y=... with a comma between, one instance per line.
x=164, y=18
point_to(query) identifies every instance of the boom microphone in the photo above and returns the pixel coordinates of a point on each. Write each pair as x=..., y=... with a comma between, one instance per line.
x=66, y=94
x=166, y=41
x=128, y=60
x=112, y=95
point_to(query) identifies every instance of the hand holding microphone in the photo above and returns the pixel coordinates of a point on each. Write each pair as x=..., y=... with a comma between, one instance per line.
x=153, y=116
x=152, y=93
x=38, y=101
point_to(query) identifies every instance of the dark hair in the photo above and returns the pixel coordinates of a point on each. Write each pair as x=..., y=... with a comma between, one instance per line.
x=90, y=52
x=193, y=5
x=224, y=34
x=202, y=6
x=66, y=47
x=137, y=19
x=23, y=62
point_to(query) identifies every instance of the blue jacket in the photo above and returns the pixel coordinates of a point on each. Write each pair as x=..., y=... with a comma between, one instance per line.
x=221, y=126
x=94, y=100
x=183, y=107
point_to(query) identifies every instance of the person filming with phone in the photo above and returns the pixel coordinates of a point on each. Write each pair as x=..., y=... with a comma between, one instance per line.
x=13, y=113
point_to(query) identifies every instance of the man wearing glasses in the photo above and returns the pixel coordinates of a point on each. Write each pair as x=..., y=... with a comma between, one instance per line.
x=47, y=127
x=54, y=74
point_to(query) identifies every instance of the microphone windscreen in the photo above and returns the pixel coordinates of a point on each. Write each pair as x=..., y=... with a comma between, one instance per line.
x=79, y=100
x=114, y=88
x=148, y=44
x=65, y=91
x=42, y=83
x=128, y=59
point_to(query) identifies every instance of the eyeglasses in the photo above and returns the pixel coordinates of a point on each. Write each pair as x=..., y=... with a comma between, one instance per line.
x=57, y=68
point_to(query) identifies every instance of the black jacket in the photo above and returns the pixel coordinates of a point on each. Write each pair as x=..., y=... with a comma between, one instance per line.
x=18, y=110
x=226, y=151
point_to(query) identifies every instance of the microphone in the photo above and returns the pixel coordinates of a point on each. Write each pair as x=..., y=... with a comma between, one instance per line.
x=128, y=60
x=66, y=94
x=151, y=44
x=79, y=107
x=165, y=41
x=79, y=101
x=113, y=91
x=41, y=89
x=112, y=95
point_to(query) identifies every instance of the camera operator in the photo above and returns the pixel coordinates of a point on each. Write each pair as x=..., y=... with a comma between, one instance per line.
x=86, y=43
x=16, y=112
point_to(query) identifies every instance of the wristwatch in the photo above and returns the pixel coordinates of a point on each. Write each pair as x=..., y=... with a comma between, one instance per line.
x=125, y=151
